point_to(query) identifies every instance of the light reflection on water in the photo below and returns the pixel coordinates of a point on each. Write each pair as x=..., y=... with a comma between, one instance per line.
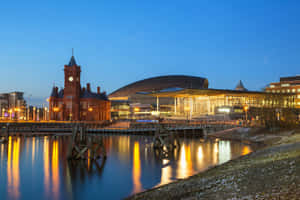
x=131, y=166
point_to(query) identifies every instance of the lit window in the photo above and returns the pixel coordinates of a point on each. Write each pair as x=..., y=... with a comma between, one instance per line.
x=298, y=96
x=273, y=91
x=288, y=90
x=285, y=85
x=278, y=91
x=298, y=90
x=272, y=86
x=294, y=90
x=283, y=91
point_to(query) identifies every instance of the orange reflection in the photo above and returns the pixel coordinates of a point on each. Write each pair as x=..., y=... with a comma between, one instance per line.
x=46, y=165
x=33, y=149
x=13, y=175
x=89, y=159
x=2, y=152
x=246, y=150
x=55, y=170
x=215, y=153
x=185, y=163
x=136, y=171
x=200, y=156
x=166, y=173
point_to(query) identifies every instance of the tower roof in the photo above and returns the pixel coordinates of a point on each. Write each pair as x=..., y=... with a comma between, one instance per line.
x=240, y=86
x=72, y=62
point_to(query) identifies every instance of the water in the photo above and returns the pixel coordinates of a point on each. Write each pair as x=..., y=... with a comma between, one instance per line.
x=37, y=168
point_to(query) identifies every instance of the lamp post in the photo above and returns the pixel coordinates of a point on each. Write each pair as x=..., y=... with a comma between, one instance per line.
x=187, y=110
x=55, y=110
x=3, y=111
x=45, y=113
x=246, y=108
x=33, y=114
x=38, y=115
x=10, y=114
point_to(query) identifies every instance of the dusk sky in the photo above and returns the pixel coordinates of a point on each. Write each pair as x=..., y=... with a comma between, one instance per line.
x=119, y=42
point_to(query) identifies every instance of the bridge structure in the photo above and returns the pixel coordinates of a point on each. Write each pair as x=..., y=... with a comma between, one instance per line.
x=58, y=128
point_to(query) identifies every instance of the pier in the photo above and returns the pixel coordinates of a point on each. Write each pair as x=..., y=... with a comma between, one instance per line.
x=192, y=129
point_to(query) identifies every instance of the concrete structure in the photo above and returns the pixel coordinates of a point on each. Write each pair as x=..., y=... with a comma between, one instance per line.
x=287, y=85
x=12, y=106
x=74, y=102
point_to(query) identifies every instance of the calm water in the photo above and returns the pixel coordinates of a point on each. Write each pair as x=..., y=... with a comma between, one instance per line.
x=37, y=168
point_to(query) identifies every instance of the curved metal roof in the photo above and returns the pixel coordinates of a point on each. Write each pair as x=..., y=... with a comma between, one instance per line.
x=160, y=83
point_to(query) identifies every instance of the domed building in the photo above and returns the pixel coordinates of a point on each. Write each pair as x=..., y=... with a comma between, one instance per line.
x=134, y=98
x=159, y=83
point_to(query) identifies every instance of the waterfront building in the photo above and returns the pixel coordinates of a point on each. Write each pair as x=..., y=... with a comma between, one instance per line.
x=74, y=102
x=196, y=103
x=12, y=106
x=171, y=98
x=132, y=101
x=287, y=85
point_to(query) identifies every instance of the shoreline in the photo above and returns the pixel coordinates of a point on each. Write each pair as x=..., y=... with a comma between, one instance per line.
x=275, y=151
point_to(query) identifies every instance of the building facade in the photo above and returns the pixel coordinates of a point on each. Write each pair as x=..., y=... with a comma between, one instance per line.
x=132, y=100
x=287, y=85
x=12, y=106
x=77, y=103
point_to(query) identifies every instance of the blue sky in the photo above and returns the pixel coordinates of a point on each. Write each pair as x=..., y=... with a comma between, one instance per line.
x=119, y=42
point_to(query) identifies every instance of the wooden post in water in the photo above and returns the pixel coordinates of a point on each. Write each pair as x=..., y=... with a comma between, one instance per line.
x=83, y=146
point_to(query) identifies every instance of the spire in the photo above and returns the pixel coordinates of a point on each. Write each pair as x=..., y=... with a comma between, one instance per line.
x=240, y=86
x=72, y=60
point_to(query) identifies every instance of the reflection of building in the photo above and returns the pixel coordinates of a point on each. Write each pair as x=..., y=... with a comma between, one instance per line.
x=12, y=105
x=287, y=85
x=131, y=100
x=77, y=103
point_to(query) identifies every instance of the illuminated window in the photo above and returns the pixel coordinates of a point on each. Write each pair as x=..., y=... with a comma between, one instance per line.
x=278, y=91
x=288, y=90
x=298, y=96
x=294, y=90
x=273, y=91
x=285, y=85
x=272, y=86
x=283, y=91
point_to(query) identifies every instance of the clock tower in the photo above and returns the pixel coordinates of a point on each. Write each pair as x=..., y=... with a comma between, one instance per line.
x=72, y=90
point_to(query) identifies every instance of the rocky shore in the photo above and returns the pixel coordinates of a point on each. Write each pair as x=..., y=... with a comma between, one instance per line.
x=272, y=172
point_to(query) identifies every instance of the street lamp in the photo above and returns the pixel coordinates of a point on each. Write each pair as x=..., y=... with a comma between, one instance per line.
x=187, y=110
x=3, y=111
x=246, y=108
x=55, y=110
x=45, y=113
x=33, y=114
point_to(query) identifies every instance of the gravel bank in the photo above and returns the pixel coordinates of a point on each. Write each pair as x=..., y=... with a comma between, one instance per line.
x=270, y=173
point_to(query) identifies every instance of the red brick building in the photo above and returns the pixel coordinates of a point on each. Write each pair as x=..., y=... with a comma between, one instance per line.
x=74, y=102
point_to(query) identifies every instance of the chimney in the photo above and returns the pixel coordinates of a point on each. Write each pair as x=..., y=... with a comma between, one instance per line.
x=88, y=87
x=83, y=89
x=56, y=90
x=98, y=90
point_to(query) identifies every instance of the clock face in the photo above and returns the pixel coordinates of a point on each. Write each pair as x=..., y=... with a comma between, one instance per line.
x=71, y=78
